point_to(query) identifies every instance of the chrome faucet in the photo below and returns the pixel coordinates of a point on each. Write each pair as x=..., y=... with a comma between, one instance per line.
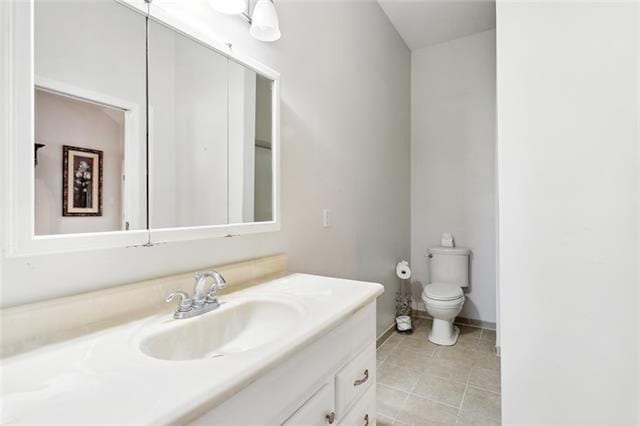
x=203, y=300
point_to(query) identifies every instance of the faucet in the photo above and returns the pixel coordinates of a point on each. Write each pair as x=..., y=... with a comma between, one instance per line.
x=203, y=300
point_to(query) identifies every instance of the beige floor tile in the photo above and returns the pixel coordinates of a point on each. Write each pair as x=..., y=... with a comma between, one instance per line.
x=480, y=404
x=485, y=378
x=419, y=333
x=467, y=330
x=474, y=419
x=389, y=400
x=409, y=357
x=440, y=390
x=394, y=340
x=436, y=376
x=488, y=335
x=487, y=346
x=398, y=376
x=424, y=325
x=423, y=346
x=387, y=347
x=423, y=412
x=452, y=369
x=468, y=341
x=459, y=352
x=382, y=420
x=487, y=360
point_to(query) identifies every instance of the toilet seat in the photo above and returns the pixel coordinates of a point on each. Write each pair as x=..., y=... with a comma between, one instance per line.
x=442, y=292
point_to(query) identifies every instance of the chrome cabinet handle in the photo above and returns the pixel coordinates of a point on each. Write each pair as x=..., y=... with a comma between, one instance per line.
x=363, y=380
x=331, y=417
x=366, y=420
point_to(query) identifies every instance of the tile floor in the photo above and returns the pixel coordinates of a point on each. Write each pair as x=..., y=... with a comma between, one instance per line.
x=420, y=383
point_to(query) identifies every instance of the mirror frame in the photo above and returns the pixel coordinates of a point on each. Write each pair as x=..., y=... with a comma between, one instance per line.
x=17, y=82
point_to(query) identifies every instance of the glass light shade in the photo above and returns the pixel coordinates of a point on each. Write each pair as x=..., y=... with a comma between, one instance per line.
x=264, y=22
x=229, y=7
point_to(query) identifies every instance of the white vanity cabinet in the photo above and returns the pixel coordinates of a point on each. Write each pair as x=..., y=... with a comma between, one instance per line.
x=328, y=381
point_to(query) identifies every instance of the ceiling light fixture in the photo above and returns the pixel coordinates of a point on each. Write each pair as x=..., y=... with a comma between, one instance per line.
x=264, y=20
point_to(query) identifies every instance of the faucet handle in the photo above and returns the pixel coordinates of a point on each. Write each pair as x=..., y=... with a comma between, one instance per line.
x=185, y=300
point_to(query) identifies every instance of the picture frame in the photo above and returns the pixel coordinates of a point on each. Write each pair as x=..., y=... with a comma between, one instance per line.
x=81, y=181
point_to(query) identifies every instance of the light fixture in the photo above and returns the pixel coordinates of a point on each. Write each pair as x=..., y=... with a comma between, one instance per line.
x=229, y=7
x=264, y=22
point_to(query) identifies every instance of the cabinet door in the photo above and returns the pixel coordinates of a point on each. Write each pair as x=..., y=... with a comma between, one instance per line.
x=363, y=412
x=355, y=378
x=319, y=410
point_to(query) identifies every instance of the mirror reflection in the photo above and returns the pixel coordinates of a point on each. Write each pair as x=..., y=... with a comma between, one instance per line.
x=89, y=113
x=210, y=131
x=250, y=145
x=188, y=137
x=210, y=138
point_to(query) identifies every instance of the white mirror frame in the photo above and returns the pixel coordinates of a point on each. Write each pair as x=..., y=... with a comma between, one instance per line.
x=17, y=85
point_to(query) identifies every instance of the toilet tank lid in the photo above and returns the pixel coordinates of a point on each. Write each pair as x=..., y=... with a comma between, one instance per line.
x=453, y=251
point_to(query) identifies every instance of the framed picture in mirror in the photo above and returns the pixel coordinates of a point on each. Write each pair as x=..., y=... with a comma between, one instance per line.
x=81, y=181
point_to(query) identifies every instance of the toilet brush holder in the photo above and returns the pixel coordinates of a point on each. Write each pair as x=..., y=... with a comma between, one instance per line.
x=403, y=314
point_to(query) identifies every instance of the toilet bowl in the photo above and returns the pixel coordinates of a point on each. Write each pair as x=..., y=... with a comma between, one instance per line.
x=443, y=302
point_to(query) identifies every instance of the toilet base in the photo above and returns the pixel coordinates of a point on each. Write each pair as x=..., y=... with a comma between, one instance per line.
x=443, y=333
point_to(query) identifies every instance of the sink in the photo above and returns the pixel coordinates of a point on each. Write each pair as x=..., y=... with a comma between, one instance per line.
x=235, y=327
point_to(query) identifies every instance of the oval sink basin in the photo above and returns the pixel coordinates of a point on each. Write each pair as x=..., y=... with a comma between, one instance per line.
x=233, y=328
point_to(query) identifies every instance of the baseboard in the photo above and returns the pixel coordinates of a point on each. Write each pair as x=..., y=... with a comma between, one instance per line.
x=385, y=335
x=460, y=320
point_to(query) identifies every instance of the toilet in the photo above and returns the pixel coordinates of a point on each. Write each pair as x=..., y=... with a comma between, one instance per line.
x=443, y=297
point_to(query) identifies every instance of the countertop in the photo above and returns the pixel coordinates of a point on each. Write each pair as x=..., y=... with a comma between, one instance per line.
x=104, y=377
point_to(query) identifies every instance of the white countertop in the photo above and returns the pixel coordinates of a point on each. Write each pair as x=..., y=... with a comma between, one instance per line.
x=104, y=378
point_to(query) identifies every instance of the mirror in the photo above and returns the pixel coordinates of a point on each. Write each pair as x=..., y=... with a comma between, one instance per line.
x=138, y=125
x=210, y=136
x=89, y=117
x=250, y=146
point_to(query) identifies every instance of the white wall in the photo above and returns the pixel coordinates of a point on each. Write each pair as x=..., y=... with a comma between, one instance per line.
x=64, y=121
x=345, y=147
x=453, y=95
x=568, y=175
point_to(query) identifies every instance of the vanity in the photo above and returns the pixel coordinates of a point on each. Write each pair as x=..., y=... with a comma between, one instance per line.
x=296, y=349
x=132, y=128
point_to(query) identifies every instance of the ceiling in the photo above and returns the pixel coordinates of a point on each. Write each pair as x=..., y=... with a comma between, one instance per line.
x=422, y=23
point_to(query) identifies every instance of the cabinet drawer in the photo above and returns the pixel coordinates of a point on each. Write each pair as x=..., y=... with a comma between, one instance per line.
x=363, y=412
x=355, y=378
x=319, y=410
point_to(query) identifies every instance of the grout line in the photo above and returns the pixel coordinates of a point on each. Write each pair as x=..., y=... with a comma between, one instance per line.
x=464, y=394
x=462, y=400
x=484, y=389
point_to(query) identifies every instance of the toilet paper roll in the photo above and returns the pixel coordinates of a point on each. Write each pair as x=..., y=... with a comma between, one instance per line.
x=403, y=271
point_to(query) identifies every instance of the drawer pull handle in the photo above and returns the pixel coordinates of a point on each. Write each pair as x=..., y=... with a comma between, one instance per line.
x=331, y=417
x=366, y=420
x=363, y=380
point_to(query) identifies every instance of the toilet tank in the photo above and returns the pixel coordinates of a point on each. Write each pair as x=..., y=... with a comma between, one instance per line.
x=449, y=265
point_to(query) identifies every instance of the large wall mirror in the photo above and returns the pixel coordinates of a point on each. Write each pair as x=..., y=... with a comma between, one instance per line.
x=142, y=131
